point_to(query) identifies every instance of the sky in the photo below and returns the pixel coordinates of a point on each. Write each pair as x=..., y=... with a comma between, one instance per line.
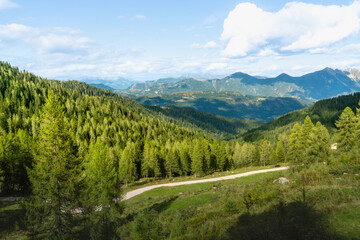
x=151, y=39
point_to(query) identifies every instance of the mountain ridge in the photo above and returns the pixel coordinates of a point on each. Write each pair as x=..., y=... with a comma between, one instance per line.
x=322, y=84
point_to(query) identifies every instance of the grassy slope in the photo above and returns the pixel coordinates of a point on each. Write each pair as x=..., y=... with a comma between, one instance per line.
x=217, y=210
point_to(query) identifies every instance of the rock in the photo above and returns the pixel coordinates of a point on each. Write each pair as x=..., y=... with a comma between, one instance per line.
x=281, y=180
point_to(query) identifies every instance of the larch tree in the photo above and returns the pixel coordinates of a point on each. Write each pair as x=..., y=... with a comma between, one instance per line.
x=103, y=190
x=127, y=163
x=237, y=155
x=198, y=165
x=346, y=130
x=56, y=175
x=280, y=151
x=320, y=144
x=295, y=149
x=265, y=153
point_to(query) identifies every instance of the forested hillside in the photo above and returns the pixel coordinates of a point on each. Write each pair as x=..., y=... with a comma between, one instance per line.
x=326, y=111
x=229, y=104
x=216, y=126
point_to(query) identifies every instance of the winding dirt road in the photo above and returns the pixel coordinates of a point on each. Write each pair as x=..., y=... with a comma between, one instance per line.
x=145, y=189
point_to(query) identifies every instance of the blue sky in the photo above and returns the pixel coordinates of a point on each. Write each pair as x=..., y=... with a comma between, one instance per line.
x=143, y=39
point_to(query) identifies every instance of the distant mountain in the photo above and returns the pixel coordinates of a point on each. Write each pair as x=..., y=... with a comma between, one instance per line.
x=327, y=111
x=103, y=86
x=229, y=104
x=117, y=84
x=153, y=83
x=314, y=86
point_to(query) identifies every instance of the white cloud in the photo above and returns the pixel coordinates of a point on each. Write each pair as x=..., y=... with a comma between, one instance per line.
x=140, y=16
x=295, y=28
x=57, y=40
x=207, y=45
x=16, y=32
x=5, y=4
x=53, y=43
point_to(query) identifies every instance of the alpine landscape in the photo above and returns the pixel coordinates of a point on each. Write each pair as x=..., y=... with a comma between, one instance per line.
x=180, y=119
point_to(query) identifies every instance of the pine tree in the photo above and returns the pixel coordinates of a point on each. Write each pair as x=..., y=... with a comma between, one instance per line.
x=103, y=193
x=56, y=175
x=346, y=130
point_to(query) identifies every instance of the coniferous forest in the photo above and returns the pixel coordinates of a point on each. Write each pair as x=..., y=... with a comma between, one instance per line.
x=70, y=149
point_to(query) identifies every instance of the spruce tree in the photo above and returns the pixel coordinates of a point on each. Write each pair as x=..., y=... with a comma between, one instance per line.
x=56, y=174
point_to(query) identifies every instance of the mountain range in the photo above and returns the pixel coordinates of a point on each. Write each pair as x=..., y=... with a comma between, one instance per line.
x=313, y=86
x=228, y=104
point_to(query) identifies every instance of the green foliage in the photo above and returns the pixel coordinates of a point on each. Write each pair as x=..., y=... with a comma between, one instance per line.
x=347, y=131
x=199, y=164
x=127, y=163
x=228, y=104
x=56, y=174
x=103, y=190
x=326, y=111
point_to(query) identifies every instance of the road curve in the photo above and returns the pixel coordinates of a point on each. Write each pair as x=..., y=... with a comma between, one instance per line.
x=136, y=192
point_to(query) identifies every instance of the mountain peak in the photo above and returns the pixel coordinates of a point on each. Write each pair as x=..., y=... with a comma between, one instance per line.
x=239, y=75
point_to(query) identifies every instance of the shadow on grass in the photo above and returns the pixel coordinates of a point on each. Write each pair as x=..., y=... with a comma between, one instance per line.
x=11, y=218
x=162, y=206
x=293, y=221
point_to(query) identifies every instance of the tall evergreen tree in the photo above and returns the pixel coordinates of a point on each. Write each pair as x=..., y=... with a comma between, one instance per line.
x=295, y=149
x=265, y=153
x=127, y=163
x=346, y=130
x=237, y=155
x=55, y=177
x=198, y=158
x=103, y=193
x=280, y=151
x=319, y=150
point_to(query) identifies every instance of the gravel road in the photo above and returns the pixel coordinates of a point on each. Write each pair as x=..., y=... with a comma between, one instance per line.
x=145, y=189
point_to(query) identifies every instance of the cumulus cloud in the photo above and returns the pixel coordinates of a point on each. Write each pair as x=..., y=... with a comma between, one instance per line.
x=207, y=45
x=5, y=4
x=297, y=27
